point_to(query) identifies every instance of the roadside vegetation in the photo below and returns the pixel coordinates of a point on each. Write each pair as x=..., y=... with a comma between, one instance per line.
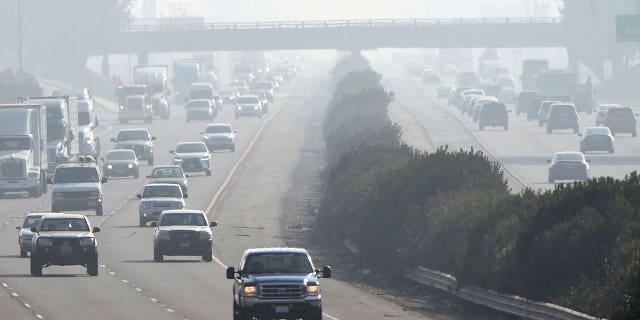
x=452, y=211
x=17, y=84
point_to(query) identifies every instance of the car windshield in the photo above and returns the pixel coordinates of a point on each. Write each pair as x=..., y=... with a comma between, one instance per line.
x=199, y=104
x=262, y=85
x=76, y=175
x=563, y=109
x=200, y=94
x=218, y=129
x=191, y=147
x=183, y=219
x=162, y=192
x=133, y=135
x=64, y=224
x=84, y=118
x=247, y=100
x=121, y=155
x=264, y=263
x=31, y=221
x=167, y=172
x=15, y=143
x=621, y=112
x=597, y=131
x=569, y=157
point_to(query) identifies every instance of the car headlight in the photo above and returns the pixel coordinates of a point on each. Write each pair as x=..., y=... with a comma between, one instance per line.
x=148, y=106
x=204, y=235
x=313, y=290
x=255, y=107
x=163, y=235
x=109, y=166
x=239, y=108
x=130, y=166
x=177, y=159
x=88, y=141
x=45, y=242
x=249, y=291
x=121, y=107
x=85, y=242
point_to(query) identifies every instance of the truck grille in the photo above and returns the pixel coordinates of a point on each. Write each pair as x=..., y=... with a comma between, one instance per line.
x=14, y=168
x=66, y=242
x=191, y=164
x=77, y=195
x=163, y=205
x=281, y=291
x=183, y=235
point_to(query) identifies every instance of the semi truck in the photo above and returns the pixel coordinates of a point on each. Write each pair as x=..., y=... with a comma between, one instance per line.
x=156, y=77
x=531, y=70
x=23, y=149
x=134, y=103
x=185, y=73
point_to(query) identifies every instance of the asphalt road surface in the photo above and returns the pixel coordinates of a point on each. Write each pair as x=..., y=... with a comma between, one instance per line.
x=243, y=195
x=429, y=122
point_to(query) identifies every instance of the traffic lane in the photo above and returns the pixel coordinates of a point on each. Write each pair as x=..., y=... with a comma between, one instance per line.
x=169, y=280
x=251, y=211
x=116, y=190
x=12, y=307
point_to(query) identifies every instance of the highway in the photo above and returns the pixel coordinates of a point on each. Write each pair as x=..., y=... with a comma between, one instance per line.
x=429, y=122
x=244, y=195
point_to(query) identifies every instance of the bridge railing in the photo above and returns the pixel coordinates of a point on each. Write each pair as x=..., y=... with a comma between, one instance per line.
x=314, y=24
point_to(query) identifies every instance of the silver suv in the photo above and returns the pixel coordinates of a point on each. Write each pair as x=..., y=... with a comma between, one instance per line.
x=77, y=187
x=156, y=198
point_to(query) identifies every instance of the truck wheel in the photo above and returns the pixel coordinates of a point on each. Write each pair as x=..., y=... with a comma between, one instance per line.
x=92, y=266
x=23, y=252
x=99, y=210
x=36, y=266
x=208, y=172
x=157, y=255
x=208, y=256
x=35, y=192
x=314, y=315
x=238, y=313
x=142, y=222
x=45, y=185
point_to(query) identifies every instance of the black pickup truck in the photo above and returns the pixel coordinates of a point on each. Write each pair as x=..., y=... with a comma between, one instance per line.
x=276, y=283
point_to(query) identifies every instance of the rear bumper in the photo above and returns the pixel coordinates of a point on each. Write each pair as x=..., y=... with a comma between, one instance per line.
x=219, y=144
x=267, y=308
x=18, y=184
x=77, y=256
x=76, y=204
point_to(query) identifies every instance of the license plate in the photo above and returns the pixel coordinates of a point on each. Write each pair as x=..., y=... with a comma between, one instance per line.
x=184, y=244
x=282, y=309
x=65, y=250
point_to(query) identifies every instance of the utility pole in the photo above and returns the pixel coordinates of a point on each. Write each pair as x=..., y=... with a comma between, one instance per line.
x=21, y=66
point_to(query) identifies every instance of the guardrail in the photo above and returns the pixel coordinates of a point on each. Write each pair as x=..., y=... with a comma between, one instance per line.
x=514, y=305
x=372, y=23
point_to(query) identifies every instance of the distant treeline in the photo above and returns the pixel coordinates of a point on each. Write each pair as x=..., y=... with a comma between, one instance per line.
x=578, y=245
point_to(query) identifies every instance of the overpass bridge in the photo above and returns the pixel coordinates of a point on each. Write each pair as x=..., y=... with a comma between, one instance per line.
x=345, y=35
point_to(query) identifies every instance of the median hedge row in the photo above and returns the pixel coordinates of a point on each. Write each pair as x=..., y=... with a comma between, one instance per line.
x=577, y=245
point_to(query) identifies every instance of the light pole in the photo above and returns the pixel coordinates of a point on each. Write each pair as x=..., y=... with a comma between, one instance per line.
x=20, y=35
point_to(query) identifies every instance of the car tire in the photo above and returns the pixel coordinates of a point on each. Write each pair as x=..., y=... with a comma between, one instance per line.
x=36, y=266
x=208, y=256
x=611, y=150
x=157, y=255
x=23, y=252
x=208, y=172
x=238, y=313
x=142, y=222
x=150, y=161
x=99, y=210
x=315, y=314
x=92, y=266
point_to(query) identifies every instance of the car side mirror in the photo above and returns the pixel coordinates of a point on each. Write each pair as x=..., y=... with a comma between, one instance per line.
x=326, y=272
x=213, y=224
x=172, y=152
x=34, y=229
x=104, y=180
x=548, y=161
x=153, y=138
x=18, y=227
x=184, y=196
x=139, y=196
x=114, y=140
x=96, y=229
x=154, y=224
x=231, y=273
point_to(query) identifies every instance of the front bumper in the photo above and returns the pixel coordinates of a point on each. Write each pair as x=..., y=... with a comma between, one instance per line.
x=562, y=124
x=568, y=173
x=192, y=247
x=76, y=204
x=219, y=144
x=9, y=185
x=596, y=146
x=75, y=255
x=257, y=307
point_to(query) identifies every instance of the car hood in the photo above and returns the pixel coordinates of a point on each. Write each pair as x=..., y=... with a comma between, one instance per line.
x=192, y=155
x=17, y=154
x=119, y=162
x=271, y=278
x=219, y=135
x=65, y=234
x=67, y=187
x=184, y=228
x=168, y=180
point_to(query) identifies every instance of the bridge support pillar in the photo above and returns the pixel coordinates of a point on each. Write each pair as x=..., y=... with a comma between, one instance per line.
x=574, y=61
x=143, y=58
x=105, y=66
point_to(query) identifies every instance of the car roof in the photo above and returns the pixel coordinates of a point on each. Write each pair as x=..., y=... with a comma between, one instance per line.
x=190, y=142
x=167, y=166
x=162, y=185
x=200, y=100
x=36, y=214
x=179, y=211
x=63, y=215
x=120, y=150
x=219, y=124
x=77, y=165
x=134, y=129
x=275, y=250
x=569, y=152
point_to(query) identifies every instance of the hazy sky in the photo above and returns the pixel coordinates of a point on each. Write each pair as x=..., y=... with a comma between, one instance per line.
x=230, y=10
